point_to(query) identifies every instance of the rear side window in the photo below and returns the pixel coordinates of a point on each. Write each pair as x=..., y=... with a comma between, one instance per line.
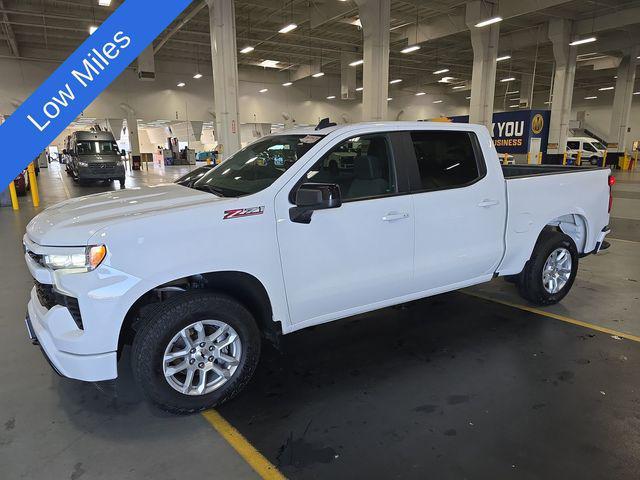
x=445, y=159
x=573, y=145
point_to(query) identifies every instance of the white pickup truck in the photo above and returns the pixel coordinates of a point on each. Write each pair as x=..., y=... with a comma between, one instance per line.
x=272, y=241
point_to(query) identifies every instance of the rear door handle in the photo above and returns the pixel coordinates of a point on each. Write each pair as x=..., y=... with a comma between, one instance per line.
x=488, y=203
x=392, y=216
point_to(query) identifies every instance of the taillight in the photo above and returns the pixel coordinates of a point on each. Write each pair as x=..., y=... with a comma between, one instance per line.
x=612, y=182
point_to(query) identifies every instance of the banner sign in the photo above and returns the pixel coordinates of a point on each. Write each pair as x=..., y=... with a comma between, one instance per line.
x=513, y=131
x=80, y=79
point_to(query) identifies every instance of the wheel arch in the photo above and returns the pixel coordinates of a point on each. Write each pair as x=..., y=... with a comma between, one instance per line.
x=243, y=287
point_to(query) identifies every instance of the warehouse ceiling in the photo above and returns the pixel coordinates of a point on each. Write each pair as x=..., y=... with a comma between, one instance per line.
x=49, y=30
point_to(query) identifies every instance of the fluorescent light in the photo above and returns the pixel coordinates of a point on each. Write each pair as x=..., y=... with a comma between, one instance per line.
x=514, y=106
x=356, y=63
x=318, y=75
x=389, y=99
x=359, y=89
x=437, y=101
x=547, y=103
x=182, y=84
x=247, y=49
x=419, y=94
x=469, y=98
x=606, y=88
x=410, y=49
x=357, y=22
x=636, y=93
x=263, y=90
x=288, y=28
x=287, y=84
x=504, y=57
x=488, y=21
x=593, y=97
x=92, y=29
x=331, y=97
x=513, y=93
x=508, y=79
x=445, y=79
x=458, y=87
x=197, y=76
x=104, y=3
x=395, y=80
x=438, y=72
x=582, y=41
x=269, y=64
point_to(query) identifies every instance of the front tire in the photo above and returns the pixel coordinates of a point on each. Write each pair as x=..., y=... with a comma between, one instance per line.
x=195, y=351
x=549, y=274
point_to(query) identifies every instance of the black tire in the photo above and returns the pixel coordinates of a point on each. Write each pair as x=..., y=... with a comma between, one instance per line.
x=164, y=321
x=530, y=283
x=594, y=160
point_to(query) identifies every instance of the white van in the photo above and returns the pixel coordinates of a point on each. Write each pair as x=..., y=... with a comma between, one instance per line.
x=592, y=149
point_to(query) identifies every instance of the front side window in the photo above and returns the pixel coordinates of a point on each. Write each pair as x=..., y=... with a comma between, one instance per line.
x=361, y=166
x=599, y=146
x=97, y=147
x=445, y=159
x=588, y=147
x=256, y=166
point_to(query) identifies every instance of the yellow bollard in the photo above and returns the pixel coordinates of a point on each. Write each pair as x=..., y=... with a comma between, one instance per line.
x=604, y=159
x=528, y=157
x=539, y=158
x=564, y=158
x=33, y=185
x=14, y=196
x=208, y=160
x=579, y=158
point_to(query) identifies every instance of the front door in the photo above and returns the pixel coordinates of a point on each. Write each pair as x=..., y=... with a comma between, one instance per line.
x=355, y=257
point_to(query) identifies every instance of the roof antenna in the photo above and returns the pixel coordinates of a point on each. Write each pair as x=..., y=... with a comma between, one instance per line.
x=325, y=123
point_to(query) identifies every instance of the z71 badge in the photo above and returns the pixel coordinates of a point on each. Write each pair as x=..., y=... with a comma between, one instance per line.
x=243, y=212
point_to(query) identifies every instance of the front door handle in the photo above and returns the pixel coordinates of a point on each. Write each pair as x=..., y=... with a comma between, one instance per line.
x=488, y=203
x=392, y=216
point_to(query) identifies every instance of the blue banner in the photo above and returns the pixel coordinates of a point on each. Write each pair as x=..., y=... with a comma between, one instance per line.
x=80, y=79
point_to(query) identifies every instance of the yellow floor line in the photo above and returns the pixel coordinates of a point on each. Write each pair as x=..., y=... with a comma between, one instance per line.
x=263, y=467
x=562, y=318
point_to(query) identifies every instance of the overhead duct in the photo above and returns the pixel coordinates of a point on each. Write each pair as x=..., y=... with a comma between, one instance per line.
x=147, y=65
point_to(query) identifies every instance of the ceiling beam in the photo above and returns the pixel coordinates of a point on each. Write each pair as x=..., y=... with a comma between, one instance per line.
x=609, y=21
x=11, y=38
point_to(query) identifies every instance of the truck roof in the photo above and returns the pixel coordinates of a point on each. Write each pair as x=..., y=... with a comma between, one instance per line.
x=383, y=126
x=105, y=136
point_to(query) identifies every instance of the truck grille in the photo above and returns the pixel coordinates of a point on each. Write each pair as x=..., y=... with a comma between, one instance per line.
x=102, y=167
x=49, y=298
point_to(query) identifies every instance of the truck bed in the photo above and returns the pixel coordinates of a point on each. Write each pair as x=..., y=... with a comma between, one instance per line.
x=519, y=171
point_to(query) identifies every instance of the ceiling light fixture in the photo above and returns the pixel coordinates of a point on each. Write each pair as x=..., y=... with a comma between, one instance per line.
x=593, y=97
x=606, y=88
x=582, y=41
x=636, y=93
x=513, y=93
x=359, y=89
x=420, y=93
x=458, y=87
x=469, y=98
x=269, y=64
x=389, y=99
x=181, y=84
x=437, y=101
x=287, y=84
x=104, y=3
x=488, y=21
x=356, y=63
x=92, y=29
x=318, y=75
x=331, y=97
x=438, y=72
x=197, y=76
x=445, y=80
x=504, y=57
x=514, y=106
x=263, y=90
x=247, y=49
x=395, y=80
x=508, y=79
x=409, y=49
x=288, y=28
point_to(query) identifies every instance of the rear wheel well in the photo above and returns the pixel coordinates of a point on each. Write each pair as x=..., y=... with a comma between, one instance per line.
x=243, y=287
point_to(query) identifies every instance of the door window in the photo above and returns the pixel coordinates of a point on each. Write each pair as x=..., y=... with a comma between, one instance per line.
x=588, y=147
x=361, y=166
x=573, y=145
x=445, y=159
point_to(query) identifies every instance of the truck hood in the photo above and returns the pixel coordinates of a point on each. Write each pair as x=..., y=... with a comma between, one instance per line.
x=74, y=221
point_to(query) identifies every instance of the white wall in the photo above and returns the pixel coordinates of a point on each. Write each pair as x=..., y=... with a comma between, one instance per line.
x=598, y=115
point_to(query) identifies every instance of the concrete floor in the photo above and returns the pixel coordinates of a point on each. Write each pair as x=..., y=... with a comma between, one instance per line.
x=499, y=393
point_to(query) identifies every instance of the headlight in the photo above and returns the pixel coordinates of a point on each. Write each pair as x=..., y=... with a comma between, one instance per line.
x=82, y=164
x=86, y=259
x=119, y=162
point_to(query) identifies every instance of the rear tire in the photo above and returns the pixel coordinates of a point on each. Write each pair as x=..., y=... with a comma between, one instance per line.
x=549, y=274
x=164, y=323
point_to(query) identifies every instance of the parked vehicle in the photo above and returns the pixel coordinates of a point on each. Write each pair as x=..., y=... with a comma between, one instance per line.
x=203, y=156
x=193, y=176
x=592, y=150
x=94, y=156
x=426, y=209
x=21, y=182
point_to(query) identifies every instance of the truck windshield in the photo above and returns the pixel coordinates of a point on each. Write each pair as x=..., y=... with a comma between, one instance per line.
x=256, y=166
x=97, y=147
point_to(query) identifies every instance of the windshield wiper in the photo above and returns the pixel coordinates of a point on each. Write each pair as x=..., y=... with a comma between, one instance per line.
x=210, y=189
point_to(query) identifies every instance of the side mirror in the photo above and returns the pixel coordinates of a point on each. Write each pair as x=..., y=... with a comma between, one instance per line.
x=314, y=196
x=123, y=153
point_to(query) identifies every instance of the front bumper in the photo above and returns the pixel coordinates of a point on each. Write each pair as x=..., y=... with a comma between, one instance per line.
x=48, y=327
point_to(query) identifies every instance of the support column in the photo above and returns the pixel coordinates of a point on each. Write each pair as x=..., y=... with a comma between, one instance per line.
x=222, y=24
x=526, y=87
x=560, y=34
x=485, y=49
x=619, y=127
x=134, y=140
x=375, y=17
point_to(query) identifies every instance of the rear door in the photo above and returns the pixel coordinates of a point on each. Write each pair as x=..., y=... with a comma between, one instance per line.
x=460, y=209
x=355, y=257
